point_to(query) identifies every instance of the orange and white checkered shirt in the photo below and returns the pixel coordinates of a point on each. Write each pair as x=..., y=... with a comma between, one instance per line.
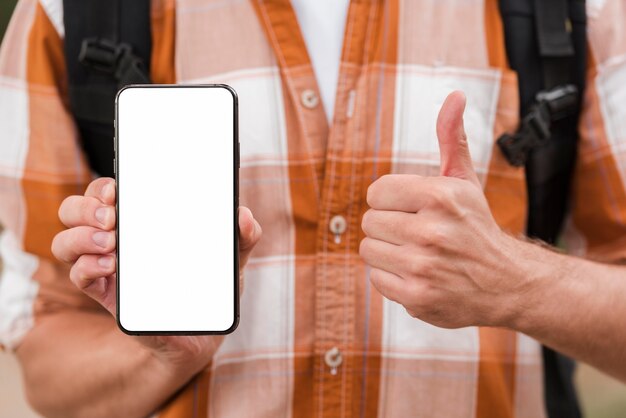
x=307, y=290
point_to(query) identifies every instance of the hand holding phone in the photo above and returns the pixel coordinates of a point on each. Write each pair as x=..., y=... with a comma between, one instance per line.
x=89, y=245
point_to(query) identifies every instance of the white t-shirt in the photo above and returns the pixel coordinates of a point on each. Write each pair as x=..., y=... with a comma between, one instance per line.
x=322, y=23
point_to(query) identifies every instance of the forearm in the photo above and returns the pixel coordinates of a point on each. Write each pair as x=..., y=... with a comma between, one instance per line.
x=95, y=369
x=576, y=306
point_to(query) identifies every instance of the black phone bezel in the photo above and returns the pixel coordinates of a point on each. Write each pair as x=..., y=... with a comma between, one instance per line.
x=236, y=147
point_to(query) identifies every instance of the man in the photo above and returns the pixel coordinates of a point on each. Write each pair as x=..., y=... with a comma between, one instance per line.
x=315, y=339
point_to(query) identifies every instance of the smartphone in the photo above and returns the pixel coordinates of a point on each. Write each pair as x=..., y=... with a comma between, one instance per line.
x=176, y=166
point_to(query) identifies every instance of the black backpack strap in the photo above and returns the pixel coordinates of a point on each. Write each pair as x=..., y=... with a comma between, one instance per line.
x=541, y=48
x=546, y=46
x=550, y=164
x=560, y=59
x=107, y=46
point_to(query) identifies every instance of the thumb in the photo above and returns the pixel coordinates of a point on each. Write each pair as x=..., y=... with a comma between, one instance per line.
x=453, y=148
x=249, y=234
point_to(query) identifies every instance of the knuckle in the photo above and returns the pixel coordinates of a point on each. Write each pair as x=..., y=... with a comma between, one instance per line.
x=421, y=288
x=63, y=208
x=428, y=270
x=372, y=222
x=421, y=302
x=74, y=275
x=412, y=230
x=377, y=188
x=75, y=238
x=59, y=246
x=365, y=221
x=418, y=267
x=54, y=247
x=96, y=186
x=462, y=138
x=377, y=280
x=77, y=210
x=99, y=183
x=438, y=236
x=416, y=310
x=375, y=276
x=456, y=192
x=414, y=266
x=433, y=236
x=77, y=275
x=372, y=193
x=79, y=203
x=442, y=197
x=394, y=223
x=81, y=208
x=364, y=248
x=410, y=311
x=66, y=208
x=258, y=231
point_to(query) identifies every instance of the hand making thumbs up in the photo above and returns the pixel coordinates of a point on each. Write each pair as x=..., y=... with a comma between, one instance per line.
x=432, y=243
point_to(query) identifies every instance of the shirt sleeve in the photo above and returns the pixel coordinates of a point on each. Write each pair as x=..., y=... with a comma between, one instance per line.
x=598, y=223
x=41, y=163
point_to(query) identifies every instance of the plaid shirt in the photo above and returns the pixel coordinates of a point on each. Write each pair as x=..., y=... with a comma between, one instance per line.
x=315, y=338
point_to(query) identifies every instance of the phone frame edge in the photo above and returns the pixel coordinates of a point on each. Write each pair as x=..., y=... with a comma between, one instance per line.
x=236, y=163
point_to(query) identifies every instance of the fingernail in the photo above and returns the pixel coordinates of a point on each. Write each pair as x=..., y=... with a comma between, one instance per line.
x=101, y=214
x=107, y=190
x=106, y=262
x=101, y=238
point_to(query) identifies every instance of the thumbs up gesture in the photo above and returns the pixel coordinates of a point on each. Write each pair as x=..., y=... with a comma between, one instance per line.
x=433, y=245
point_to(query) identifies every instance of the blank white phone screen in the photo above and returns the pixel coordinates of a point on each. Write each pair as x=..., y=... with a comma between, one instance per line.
x=176, y=209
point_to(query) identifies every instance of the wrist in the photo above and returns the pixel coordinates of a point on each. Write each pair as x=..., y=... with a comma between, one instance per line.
x=182, y=357
x=171, y=373
x=533, y=271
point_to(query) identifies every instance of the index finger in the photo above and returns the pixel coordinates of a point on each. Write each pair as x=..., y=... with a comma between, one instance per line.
x=399, y=192
x=103, y=189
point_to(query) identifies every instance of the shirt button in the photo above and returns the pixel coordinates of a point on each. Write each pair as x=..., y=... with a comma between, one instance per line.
x=309, y=99
x=338, y=226
x=333, y=359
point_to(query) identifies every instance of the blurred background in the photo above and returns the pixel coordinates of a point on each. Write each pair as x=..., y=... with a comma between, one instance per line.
x=601, y=396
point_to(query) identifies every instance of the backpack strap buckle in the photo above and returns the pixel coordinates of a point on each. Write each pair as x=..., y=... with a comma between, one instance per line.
x=561, y=100
x=117, y=60
x=550, y=106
